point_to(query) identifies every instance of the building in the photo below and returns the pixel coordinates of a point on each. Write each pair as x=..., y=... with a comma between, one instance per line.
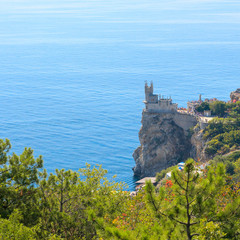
x=155, y=103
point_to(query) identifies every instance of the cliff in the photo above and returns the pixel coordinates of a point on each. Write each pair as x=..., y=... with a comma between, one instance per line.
x=165, y=140
x=198, y=145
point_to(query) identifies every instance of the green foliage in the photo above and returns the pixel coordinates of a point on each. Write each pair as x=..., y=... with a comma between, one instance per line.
x=192, y=198
x=74, y=203
x=193, y=204
x=234, y=107
x=233, y=157
x=210, y=231
x=162, y=174
x=203, y=106
x=67, y=204
x=18, y=177
x=236, y=175
x=219, y=126
x=218, y=108
x=5, y=147
x=223, y=134
x=13, y=229
x=232, y=164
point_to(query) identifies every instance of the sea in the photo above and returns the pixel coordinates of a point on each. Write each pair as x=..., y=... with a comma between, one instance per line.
x=72, y=72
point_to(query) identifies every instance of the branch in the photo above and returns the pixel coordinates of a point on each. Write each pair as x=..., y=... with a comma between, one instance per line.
x=179, y=184
x=195, y=234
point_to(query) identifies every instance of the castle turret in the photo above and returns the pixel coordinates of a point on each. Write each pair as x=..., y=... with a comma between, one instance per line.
x=148, y=91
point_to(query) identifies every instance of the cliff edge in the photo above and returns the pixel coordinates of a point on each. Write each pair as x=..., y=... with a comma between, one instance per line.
x=165, y=141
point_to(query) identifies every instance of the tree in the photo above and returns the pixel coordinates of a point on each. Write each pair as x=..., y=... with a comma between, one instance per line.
x=14, y=229
x=76, y=204
x=236, y=176
x=18, y=177
x=218, y=108
x=67, y=204
x=193, y=204
x=203, y=106
x=192, y=198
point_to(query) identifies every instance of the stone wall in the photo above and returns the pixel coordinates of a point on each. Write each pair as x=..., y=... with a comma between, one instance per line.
x=185, y=121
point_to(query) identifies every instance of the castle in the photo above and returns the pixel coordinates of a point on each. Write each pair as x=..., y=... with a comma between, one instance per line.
x=155, y=103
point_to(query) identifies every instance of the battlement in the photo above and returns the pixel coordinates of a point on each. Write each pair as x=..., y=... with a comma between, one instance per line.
x=157, y=103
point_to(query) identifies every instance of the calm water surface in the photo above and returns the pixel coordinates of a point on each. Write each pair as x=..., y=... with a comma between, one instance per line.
x=72, y=72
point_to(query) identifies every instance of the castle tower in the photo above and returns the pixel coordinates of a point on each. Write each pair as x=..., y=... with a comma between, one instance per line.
x=148, y=91
x=156, y=104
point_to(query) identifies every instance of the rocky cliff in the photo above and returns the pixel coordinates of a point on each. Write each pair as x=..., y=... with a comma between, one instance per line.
x=165, y=140
x=198, y=146
x=235, y=96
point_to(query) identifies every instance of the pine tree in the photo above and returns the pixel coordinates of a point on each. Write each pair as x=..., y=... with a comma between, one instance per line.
x=190, y=197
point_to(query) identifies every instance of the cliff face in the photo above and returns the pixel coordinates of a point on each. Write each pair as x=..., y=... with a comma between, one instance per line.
x=198, y=146
x=165, y=140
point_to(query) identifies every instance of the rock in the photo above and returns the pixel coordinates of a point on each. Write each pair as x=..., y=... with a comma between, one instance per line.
x=235, y=96
x=165, y=140
x=198, y=145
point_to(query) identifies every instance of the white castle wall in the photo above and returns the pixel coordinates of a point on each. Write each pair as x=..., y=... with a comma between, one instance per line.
x=161, y=107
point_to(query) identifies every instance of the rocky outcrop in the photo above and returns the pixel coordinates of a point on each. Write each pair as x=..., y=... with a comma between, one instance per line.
x=235, y=96
x=198, y=145
x=165, y=140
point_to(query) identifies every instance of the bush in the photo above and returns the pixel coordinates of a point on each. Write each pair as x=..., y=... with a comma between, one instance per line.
x=218, y=108
x=224, y=149
x=162, y=174
x=13, y=229
x=210, y=150
x=233, y=157
x=230, y=168
x=204, y=106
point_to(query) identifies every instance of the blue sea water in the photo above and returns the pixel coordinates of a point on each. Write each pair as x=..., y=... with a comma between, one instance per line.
x=72, y=72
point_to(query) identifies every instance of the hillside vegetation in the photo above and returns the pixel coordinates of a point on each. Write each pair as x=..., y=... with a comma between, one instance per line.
x=193, y=204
